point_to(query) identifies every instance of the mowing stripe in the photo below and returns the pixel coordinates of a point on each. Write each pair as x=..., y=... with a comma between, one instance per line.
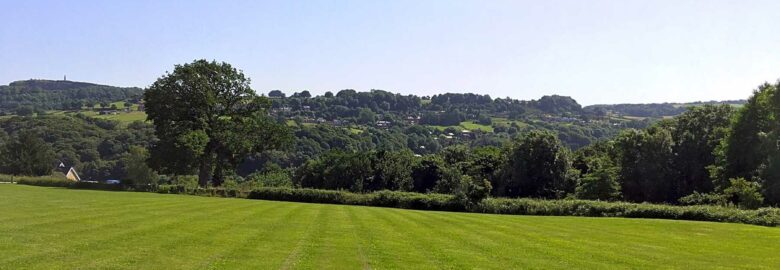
x=83, y=246
x=191, y=236
x=359, y=233
x=294, y=256
x=253, y=251
x=259, y=229
x=430, y=258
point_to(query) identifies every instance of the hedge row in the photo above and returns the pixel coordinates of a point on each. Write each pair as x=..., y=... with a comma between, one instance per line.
x=47, y=181
x=442, y=202
x=395, y=199
x=763, y=216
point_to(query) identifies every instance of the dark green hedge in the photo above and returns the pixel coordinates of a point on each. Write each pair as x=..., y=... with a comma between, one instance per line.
x=395, y=199
x=442, y=202
x=45, y=181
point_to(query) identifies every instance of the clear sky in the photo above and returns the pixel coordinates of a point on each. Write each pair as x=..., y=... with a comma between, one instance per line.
x=595, y=51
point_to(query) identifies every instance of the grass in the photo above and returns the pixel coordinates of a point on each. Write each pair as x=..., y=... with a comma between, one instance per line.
x=467, y=125
x=46, y=228
x=507, y=122
x=355, y=130
x=121, y=116
x=470, y=125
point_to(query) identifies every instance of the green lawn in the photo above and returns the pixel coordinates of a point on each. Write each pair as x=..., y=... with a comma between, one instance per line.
x=48, y=228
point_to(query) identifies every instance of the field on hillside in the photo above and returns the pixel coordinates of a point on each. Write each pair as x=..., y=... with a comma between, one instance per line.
x=122, y=117
x=45, y=228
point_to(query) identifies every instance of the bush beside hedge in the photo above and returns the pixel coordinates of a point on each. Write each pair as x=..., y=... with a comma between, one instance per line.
x=443, y=202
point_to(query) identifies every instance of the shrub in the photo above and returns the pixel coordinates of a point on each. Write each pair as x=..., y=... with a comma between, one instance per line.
x=744, y=193
x=270, y=179
x=697, y=198
x=599, y=184
x=472, y=192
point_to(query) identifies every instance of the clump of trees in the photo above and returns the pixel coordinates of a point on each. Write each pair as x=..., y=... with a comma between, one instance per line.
x=25, y=97
x=709, y=154
x=26, y=154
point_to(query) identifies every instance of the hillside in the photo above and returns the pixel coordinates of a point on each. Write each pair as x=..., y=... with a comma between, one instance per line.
x=656, y=110
x=127, y=230
x=61, y=95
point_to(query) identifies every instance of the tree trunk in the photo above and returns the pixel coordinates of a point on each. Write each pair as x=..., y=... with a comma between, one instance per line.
x=218, y=178
x=204, y=172
x=206, y=164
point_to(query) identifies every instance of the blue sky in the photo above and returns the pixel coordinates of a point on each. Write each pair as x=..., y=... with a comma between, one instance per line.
x=595, y=51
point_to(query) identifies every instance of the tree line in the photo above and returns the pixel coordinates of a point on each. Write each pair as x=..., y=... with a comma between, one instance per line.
x=26, y=97
x=208, y=122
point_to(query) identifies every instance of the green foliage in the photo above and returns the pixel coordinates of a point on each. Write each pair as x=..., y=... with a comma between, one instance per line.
x=366, y=117
x=558, y=104
x=44, y=181
x=472, y=192
x=25, y=111
x=270, y=179
x=538, y=166
x=208, y=119
x=484, y=163
x=427, y=172
x=744, y=193
x=747, y=144
x=764, y=216
x=94, y=147
x=392, y=170
x=750, y=149
x=600, y=183
x=697, y=198
x=59, y=95
x=697, y=134
x=645, y=162
x=138, y=172
x=26, y=154
x=381, y=198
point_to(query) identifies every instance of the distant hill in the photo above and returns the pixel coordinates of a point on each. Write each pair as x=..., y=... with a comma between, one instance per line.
x=656, y=109
x=61, y=94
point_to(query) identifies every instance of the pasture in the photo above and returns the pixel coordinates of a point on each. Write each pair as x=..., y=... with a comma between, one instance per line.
x=48, y=228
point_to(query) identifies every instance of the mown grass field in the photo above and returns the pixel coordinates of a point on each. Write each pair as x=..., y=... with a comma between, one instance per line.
x=50, y=228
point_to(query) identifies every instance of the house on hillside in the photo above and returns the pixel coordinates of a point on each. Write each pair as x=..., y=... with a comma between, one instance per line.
x=70, y=172
x=72, y=175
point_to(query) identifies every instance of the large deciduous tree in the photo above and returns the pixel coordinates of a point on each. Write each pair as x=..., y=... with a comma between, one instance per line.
x=208, y=119
x=538, y=165
x=751, y=149
x=645, y=161
x=746, y=143
x=697, y=133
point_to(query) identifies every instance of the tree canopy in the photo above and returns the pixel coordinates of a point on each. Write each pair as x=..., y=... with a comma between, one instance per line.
x=207, y=118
